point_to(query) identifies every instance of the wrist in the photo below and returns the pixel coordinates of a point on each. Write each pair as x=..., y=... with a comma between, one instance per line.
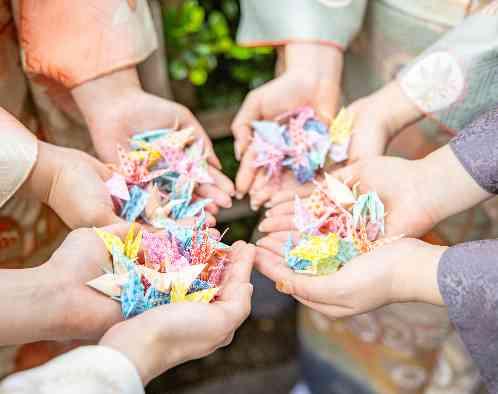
x=452, y=189
x=98, y=98
x=315, y=60
x=415, y=278
x=40, y=180
x=396, y=110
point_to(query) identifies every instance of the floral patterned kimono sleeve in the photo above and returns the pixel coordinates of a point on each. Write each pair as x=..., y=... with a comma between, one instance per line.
x=75, y=41
x=277, y=22
x=86, y=370
x=456, y=79
x=468, y=273
x=18, y=152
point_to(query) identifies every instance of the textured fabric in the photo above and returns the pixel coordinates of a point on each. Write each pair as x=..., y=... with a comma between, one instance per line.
x=457, y=77
x=72, y=42
x=468, y=278
x=18, y=152
x=87, y=370
x=279, y=21
x=476, y=147
x=30, y=231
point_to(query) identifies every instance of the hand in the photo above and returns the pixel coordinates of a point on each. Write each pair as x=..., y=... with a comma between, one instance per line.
x=403, y=271
x=71, y=182
x=52, y=301
x=417, y=194
x=172, y=334
x=312, y=77
x=115, y=107
x=377, y=119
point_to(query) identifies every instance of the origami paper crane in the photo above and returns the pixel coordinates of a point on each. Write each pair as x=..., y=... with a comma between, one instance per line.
x=297, y=140
x=156, y=178
x=335, y=225
x=150, y=269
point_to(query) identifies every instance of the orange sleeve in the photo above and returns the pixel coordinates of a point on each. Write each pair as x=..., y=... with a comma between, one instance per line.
x=74, y=41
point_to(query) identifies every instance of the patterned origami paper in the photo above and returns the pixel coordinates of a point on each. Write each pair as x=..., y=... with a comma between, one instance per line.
x=335, y=225
x=176, y=264
x=298, y=141
x=156, y=178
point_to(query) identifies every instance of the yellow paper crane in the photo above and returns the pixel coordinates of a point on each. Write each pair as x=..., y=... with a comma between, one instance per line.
x=341, y=127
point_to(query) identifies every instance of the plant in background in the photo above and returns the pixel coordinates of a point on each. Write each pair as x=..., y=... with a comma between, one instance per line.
x=199, y=36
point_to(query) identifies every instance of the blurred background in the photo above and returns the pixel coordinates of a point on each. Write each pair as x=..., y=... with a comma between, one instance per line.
x=211, y=74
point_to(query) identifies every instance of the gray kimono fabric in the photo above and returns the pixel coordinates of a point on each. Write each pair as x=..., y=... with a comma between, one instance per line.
x=468, y=273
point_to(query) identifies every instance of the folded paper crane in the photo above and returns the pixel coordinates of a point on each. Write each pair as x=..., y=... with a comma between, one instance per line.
x=297, y=140
x=156, y=178
x=173, y=265
x=335, y=225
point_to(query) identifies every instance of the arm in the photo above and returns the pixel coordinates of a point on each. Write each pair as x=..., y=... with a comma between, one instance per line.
x=453, y=80
x=312, y=35
x=170, y=335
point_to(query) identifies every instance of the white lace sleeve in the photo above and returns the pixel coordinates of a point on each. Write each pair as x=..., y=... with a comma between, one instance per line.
x=86, y=370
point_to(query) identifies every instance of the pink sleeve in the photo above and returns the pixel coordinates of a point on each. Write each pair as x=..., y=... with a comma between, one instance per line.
x=74, y=41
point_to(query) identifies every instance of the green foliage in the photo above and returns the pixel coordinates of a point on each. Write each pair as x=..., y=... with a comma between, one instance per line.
x=200, y=40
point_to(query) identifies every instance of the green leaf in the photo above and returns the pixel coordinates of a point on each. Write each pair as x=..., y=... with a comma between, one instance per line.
x=240, y=53
x=218, y=24
x=178, y=70
x=198, y=76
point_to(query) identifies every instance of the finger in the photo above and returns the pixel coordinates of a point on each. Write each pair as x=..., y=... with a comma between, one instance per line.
x=289, y=195
x=285, y=235
x=331, y=311
x=271, y=265
x=222, y=181
x=283, y=209
x=235, y=300
x=247, y=172
x=277, y=223
x=120, y=229
x=102, y=170
x=348, y=174
x=327, y=101
x=218, y=196
x=242, y=260
x=241, y=126
x=261, y=190
x=272, y=244
x=188, y=119
x=212, y=209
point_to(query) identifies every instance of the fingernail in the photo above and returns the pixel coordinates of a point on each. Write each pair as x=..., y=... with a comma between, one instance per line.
x=268, y=204
x=268, y=213
x=262, y=228
x=232, y=193
x=254, y=207
x=284, y=286
x=239, y=196
x=258, y=242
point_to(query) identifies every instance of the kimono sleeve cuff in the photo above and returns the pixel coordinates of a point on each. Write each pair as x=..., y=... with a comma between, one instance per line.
x=476, y=147
x=18, y=154
x=74, y=42
x=88, y=369
x=467, y=278
x=278, y=22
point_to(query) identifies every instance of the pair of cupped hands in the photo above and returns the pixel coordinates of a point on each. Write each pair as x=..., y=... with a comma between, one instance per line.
x=417, y=195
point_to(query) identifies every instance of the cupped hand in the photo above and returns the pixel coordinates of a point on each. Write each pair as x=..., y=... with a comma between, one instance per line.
x=115, y=107
x=312, y=76
x=82, y=312
x=405, y=187
x=72, y=183
x=172, y=334
x=403, y=271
